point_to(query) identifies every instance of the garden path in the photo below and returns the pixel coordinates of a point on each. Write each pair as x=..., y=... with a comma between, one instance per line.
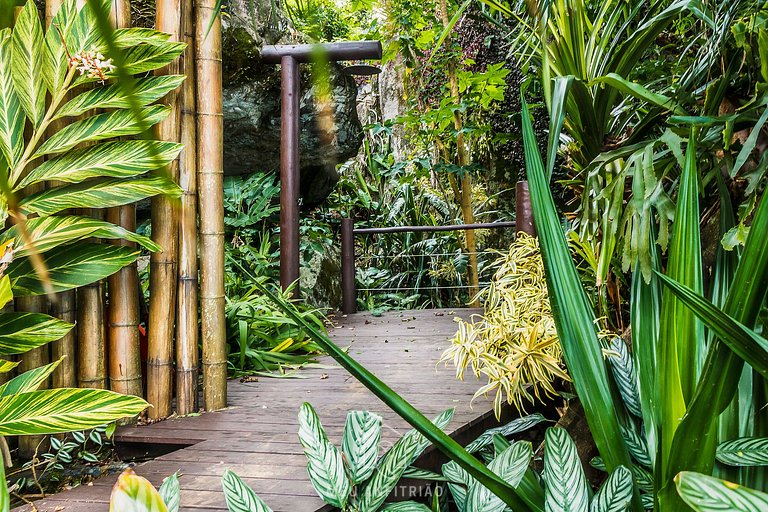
x=256, y=435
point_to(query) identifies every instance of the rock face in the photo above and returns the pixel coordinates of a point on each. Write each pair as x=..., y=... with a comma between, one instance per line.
x=252, y=104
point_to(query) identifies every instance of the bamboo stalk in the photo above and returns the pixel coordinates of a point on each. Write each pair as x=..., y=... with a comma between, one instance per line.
x=187, y=359
x=463, y=160
x=63, y=305
x=123, y=316
x=210, y=182
x=162, y=265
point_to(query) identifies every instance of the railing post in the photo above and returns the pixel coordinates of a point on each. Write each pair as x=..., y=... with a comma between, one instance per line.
x=348, y=286
x=289, y=175
x=523, y=209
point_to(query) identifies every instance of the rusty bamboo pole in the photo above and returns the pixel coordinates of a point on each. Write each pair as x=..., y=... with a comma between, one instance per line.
x=187, y=359
x=63, y=305
x=162, y=265
x=123, y=321
x=210, y=182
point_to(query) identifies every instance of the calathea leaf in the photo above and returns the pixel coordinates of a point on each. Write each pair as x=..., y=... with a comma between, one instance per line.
x=27, y=63
x=360, y=444
x=29, y=380
x=123, y=159
x=459, y=482
x=744, y=451
x=513, y=427
x=637, y=446
x=22, y=332
x=404, y=506
x=170, y=491
x=615, y=495
x=566, y=486
x=707, y=494
x=240, y=497
x=510, y=465
x=624, y=374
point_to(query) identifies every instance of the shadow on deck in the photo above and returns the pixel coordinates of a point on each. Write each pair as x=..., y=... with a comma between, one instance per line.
x=256, y=436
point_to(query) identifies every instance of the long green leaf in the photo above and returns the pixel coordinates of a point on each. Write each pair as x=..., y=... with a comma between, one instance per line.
x=27, y=66
x=104, y=193
x=146, y=91
x=22, y=332
x=70, y=267
x=572, y=311
x=640, y=92
x=29, y=380
x=123, y=159
x=706, y=494
x=401, y=407
x=102, y=126
x=55, y=56
x=744, y=451
x=360, y=444
x=744, y=342
x=11, y=115
x=566, y=489
x=148, y=57
x=615, y=495
x=54, y=411
x=240, y=497
x=556, y=117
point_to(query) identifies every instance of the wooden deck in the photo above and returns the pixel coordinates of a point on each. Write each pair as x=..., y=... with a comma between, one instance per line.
x=256, y=436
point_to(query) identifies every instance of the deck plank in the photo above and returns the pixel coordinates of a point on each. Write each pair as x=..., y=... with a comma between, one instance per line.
x=256, y=435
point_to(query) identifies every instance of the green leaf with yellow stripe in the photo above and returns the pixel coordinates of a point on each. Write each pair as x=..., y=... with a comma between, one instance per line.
x=22, y=332
x=11, y=115
x=29, y=380
x=27, y=63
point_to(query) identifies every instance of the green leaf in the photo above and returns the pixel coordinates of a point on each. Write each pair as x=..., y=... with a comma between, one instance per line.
x=145, y=91
x=574, y=317
x=54, y=411
x=744, y=342
x=749, y=144
x=240, y=497
x=513, y=427
x=29, y=380
x=22, y=332
x=148, y=57
x=566, y=489
x=102, y=126
x=615, y=495
x=51, y=232
x=170, y=491
x=624, y=375
x=6, y=295
x=707, y=494
x=123, y=159
x=510, y=465
x=637, y=446
x=133, y=493
x=56, y=62
x=70, y=267
x=640, y=92
x=127, y=37
x=11, y=114
x=325, y=463
x=459, y=482
x=360, y=444
x=560, y=92
x=7, y=366
x=27, y=66
x=404, y=506
x=744, y=451
x=103, y=193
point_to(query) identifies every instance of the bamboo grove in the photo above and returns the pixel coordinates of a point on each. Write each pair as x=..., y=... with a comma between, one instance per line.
x=97, y=116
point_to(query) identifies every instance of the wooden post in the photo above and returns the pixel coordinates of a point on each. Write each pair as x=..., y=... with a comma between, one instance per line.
x=348, y=285
x=289, y=174
x=162, y=266
x=186, y=295
x=523, y=209
x=210, y=196
x=123, y=321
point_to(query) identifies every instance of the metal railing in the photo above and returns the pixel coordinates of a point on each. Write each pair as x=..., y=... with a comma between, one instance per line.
x=524, y=223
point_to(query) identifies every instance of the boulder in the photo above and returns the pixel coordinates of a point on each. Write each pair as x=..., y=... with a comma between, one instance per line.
x=252, y=104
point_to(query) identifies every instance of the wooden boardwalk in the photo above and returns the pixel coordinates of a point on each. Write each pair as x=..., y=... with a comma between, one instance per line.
x=256, y=436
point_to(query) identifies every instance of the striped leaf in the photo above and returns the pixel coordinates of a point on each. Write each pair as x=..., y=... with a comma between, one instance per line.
x=123, y=159
x=745, y=451
x=102, y=126
x=441, y=421
x=360, y=444
x=170, y=491
x=574, y=317
x=637, y=446
x=240, y=497
x=7, y=366
x=145, y=91
x=29, y=380
x=55, y=53
x=707, y=494
x=51, y=232
x=643, y=479
x=513, y=427
x=624, y=374
x=11, y=114
x=6, y=294
x=148, y=57
x=5, y=497
x=70, y=267
x=459, y=482
x=22, y=332
x=325, y=464
x=404, y=506
x=133, y=493
x=55, y=411
x=511, y=465
x=566, y=486
x=127, y=37
x=27, y=63
x=615, y=495
x=104, y=193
